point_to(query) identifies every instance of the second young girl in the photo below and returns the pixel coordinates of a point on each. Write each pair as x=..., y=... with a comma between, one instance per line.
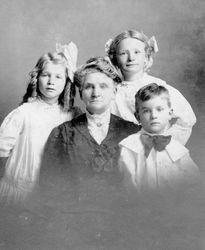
x=131, y=52
x=47, y=103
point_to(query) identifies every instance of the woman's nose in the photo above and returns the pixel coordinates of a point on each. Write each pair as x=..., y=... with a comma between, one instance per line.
x=96, y=92
x=153, y=114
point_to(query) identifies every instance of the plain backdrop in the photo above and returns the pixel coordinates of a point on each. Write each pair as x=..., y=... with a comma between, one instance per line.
x=29, y=28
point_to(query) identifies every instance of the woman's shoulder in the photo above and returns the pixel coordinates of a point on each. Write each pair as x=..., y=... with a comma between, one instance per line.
x=76, y=111
x=78, y=120
x=68, y=129
x=123, y=124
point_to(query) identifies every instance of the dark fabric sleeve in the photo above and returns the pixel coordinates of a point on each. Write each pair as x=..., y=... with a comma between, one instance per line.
x=128, y=128
x=55, y=177
x=54, y=157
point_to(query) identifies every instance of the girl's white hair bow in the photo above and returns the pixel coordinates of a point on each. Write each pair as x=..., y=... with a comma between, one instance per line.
x=70, y=51
x=153, y=44
x=108, y=45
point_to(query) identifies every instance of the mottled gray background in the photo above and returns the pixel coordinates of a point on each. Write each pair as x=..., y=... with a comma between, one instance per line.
x=31, y=27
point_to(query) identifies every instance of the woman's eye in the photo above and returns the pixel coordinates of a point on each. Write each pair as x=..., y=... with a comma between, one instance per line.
x=59, y=76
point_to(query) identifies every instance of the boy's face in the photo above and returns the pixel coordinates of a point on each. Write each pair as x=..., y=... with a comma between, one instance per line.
x=131, y=56
x=97, y=92
x=155, y=114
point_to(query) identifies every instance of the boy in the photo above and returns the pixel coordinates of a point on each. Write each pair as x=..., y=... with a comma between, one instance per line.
x=152, y=157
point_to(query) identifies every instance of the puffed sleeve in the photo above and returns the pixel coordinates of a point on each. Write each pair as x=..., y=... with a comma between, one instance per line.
x=10, y=130
x=183, y=116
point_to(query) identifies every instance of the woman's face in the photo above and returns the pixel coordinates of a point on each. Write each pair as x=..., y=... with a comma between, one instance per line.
x=131, y=56
x=51, y=82
x=97, y=92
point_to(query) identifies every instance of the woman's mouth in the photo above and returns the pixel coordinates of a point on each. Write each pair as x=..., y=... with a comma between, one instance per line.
x=50, y=89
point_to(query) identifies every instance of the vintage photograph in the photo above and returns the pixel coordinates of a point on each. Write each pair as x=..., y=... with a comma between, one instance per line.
x=102, y=125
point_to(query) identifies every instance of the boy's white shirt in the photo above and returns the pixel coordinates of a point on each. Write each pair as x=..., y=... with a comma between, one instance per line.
x=167, y=165
x=98, y=125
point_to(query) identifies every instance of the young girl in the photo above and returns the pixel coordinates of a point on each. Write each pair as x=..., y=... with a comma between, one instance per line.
x=47, y=103
x=131, y=52
x=152, y=157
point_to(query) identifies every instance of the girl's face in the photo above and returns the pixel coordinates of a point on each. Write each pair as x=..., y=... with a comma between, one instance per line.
x=155, y=114
x=131, y=57
x=97, y=92
x=51, y=82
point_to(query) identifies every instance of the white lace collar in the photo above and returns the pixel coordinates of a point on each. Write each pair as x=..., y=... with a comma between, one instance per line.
x=99, y=119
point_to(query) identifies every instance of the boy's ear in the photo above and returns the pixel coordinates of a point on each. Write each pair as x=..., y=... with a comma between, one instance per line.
x=171, y=112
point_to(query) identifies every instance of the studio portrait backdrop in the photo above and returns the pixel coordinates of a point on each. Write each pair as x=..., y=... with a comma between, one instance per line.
x=30, y=28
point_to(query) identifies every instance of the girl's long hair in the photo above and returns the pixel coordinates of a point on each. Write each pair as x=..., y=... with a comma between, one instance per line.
x=112, y=50
x=66, y=98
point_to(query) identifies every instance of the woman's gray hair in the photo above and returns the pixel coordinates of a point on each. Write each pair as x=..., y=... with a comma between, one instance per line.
x=96, y=64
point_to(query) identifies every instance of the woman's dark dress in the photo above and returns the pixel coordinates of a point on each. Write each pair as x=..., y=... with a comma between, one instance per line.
x=80, y=180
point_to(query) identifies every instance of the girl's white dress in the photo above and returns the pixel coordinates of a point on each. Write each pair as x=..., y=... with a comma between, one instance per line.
x=167, y=168
x=184, y=117
x=23, y=135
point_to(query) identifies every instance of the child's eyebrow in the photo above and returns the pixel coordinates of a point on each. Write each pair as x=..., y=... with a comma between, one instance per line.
x=88, y=84
x=144, y=107
x=103, y=83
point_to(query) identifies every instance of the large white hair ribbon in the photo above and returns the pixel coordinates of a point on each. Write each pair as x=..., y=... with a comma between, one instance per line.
x=108, y=45
x=153, y=44
x=70, y=51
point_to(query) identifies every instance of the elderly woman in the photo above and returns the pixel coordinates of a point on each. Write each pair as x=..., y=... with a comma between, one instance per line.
x=80, y=182
x=88, y=145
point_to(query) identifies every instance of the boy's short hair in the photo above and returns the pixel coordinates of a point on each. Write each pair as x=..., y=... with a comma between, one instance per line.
x=96, y=64
x=148, y=92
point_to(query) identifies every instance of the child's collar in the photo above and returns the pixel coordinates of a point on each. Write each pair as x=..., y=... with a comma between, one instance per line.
x=165, y=133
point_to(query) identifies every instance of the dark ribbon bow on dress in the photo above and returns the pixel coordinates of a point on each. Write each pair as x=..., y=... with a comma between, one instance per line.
x=159, y=142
